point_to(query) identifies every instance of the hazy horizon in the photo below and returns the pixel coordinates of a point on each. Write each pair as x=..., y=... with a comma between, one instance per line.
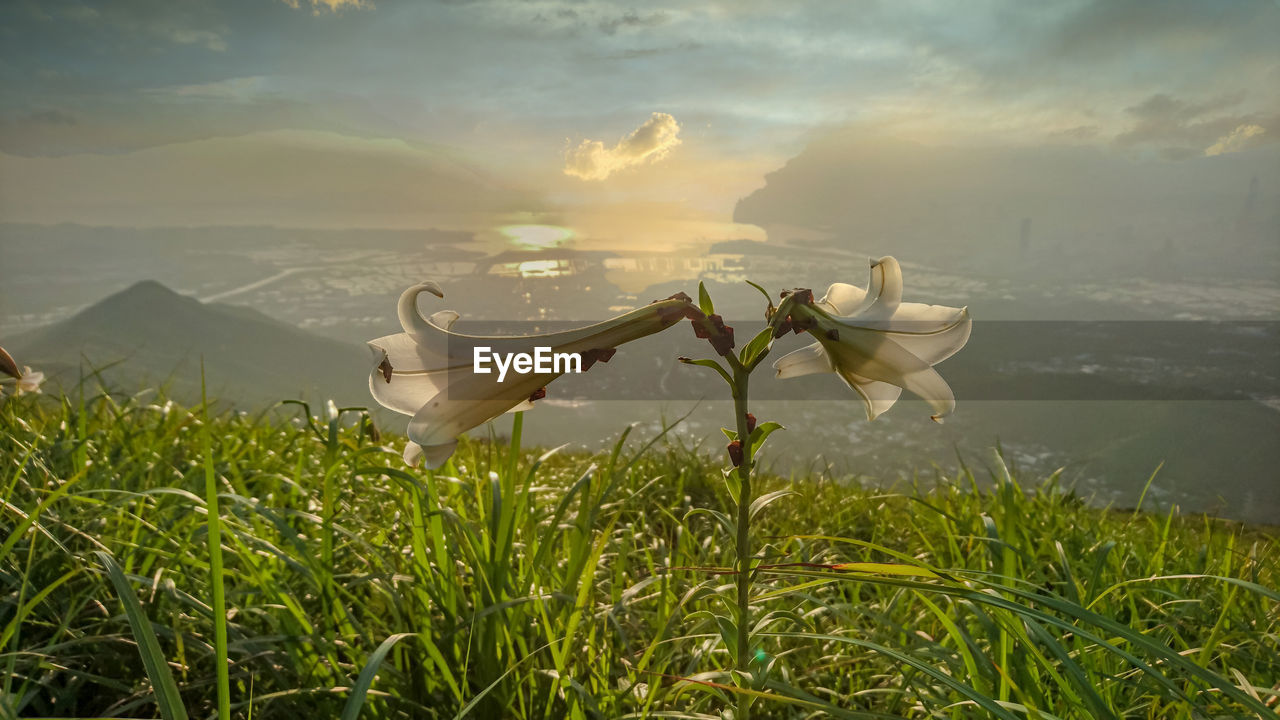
x=566, y=160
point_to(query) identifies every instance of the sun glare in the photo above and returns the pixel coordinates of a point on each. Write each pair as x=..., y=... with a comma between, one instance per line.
x=536, y=237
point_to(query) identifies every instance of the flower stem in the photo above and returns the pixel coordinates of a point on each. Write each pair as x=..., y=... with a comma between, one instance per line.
x=740, y=377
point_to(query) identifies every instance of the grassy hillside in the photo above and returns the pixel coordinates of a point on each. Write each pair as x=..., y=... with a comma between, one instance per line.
x=523, y=584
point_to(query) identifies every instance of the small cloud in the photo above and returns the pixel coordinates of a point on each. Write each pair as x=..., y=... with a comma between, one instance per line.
x=1236, y=140
x=209, y=39
x=1079, y=132
x=333, y=6
x=51, y=117
x=631, y=19
x=650, y=142
x=238, y=89
x=80, y=13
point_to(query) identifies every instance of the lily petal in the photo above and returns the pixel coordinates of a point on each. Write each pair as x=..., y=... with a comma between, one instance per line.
x=875, y=356
x=8, y=366
x=884, y=290
x=843, y=299
x=468, y=402
x=805, y=361
x=435, y=455
x=407, y=308
x=30, y=381
x=878, y=396
x=932, y=333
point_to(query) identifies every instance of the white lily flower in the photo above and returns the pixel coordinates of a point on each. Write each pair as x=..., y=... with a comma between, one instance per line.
x=25, y=380
x=878, y=344
x=29, y=382
x=427, y=371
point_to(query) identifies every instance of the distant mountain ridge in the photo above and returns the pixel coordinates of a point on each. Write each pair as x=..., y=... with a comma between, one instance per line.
x=147, y=334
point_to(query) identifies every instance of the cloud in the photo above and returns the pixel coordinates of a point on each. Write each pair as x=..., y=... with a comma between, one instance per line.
x=208, y=39
x=50, y=117
x=318, y=6
x=1179, y=129
x=632, y=19
x=286, y=178
x=1236, y=140
x=648, y=143
x=236, y=89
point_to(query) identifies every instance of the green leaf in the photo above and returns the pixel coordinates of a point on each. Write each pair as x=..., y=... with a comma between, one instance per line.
x=763, y=501
x=763, y=292
x=728, y=633
x=355, y=701
x=731, y=434
x=166, y=690
x=733, y=482
x=887, y=569
x=757, y=349
x=727, y=523
x=762, y=433
x=708, y=363
x=704, y=300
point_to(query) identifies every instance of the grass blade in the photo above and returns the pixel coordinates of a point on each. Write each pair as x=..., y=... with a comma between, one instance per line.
x=166, y=690
x=355, y=701
x=215, y=557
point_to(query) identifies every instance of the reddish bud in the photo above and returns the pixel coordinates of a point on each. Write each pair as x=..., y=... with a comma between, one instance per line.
x=590, y=357
x=751, y=423
x=735, y=452
x=385, y=367
x=833, y=334
x=538, y=394
x=673, y=314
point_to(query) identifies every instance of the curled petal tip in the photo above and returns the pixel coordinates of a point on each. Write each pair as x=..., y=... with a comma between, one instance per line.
x=875, y=264
x=432, y=287
x=412, y=454
x=936, y=418
x=8, y=366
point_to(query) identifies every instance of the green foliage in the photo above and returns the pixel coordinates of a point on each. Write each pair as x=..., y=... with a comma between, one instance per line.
x=530, y=584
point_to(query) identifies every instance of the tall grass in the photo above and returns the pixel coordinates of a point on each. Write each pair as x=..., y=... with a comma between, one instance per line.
x=527, y=584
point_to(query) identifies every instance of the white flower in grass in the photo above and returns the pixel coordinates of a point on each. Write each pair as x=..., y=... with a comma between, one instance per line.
x=27, y=381
x=878, y=344
x=427, y=371
x=30, y=381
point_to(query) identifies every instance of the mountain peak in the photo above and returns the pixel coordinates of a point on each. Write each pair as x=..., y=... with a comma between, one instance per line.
x=149, y=334
x=147, y=289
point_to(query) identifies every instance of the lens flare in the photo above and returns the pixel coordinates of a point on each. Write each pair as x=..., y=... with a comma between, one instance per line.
x=536, y=237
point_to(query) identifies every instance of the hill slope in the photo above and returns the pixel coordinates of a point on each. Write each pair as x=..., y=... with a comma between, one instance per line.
x=148, y=333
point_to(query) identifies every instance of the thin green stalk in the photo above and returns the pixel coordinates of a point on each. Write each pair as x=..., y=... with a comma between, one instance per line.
x=215, y=558
x=740, y=387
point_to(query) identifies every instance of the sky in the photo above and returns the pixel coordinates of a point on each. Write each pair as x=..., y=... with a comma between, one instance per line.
x=604, y=117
